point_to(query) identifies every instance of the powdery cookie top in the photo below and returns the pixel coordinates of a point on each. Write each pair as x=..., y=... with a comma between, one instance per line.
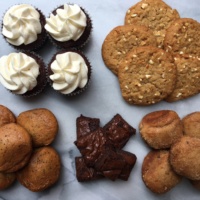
x=157, y=173
x=121, y=40
x=154, y=14
x=191, y=125
x=188, y=81
x=147, y=75
x=184, y=157
x=182, y=37
x=6, y=116
x=160, y=129
x=41, y=124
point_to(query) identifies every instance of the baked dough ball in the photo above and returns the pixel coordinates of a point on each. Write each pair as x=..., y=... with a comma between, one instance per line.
x=42, y=171
x=6, y=180
x=157, y=173
x=15, y=147
x=184, y=157
x=6, y=116
x=160, y=129
x=191, y=124
x=41, y=124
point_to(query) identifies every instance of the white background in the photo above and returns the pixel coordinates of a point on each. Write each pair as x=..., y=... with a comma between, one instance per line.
x=103, y=100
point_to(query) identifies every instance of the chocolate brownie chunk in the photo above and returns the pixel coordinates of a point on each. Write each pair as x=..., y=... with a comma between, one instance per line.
x=92, y=145
x=118, y=131
x=85, y=173
x=85, y=125
x=130, y=160
x=110, y=164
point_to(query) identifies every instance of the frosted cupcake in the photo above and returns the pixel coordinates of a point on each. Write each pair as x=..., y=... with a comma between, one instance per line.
x=69, y=72
x=23, y=73
x=23, y=27
x=69, y=26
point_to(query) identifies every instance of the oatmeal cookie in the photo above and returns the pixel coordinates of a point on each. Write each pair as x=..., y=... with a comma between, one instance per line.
x=147, y=75
x=121, y=40
x=154, y=14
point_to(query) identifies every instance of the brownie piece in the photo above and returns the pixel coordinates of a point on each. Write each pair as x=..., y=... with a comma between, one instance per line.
x=92, y=145
x=130, y=160
x=110, y=164
x=85, y=173
x=85, y=125
x=118, y=131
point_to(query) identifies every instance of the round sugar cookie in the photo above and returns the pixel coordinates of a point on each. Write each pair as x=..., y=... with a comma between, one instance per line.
x=160, y=129
x=191, y=124
x=121, y=40
x=157, y=173
x=184, y=157
x=154, y=14
x=147, y=75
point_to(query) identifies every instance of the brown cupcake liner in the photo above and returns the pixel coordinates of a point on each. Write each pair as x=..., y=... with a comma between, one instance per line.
x=36, y=45
x=81, y=42
x=78, y=90
x=42, y=78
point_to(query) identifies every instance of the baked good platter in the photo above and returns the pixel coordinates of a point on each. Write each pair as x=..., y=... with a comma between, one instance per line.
x=102, y=100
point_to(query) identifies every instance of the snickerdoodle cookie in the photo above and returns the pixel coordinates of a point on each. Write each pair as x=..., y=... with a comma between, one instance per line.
x=191, y=125
x=157, y=172
x=184, y=157
x=160, y=129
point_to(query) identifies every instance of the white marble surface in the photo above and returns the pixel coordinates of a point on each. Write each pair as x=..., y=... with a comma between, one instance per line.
x=102, y=100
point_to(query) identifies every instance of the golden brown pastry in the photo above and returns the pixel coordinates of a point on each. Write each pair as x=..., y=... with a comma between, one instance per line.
x=42, y=171
x=160, y=129
x=6, y=180
x=195, y=184
x=6, y=116
x=184, y=157
x=15, y=147
x=41, y=124
x=157, y=173
x=191, y=124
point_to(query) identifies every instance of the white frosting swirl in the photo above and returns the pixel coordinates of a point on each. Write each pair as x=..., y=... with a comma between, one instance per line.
x=21, y=24
x=68, y=24
x=18, y=72
x=69, y=72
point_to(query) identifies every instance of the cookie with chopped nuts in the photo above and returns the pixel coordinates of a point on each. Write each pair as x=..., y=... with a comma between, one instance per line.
x=154, y=14
x=121, y=40
x=182, y=37
x=147, y=75
x=188, y=78
x=160, y=129
x=157, y=173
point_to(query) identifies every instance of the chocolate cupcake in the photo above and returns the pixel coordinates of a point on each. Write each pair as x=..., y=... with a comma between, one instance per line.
x=69, y=26
x=23, y=73
x=69, y=72
x=23, y=27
